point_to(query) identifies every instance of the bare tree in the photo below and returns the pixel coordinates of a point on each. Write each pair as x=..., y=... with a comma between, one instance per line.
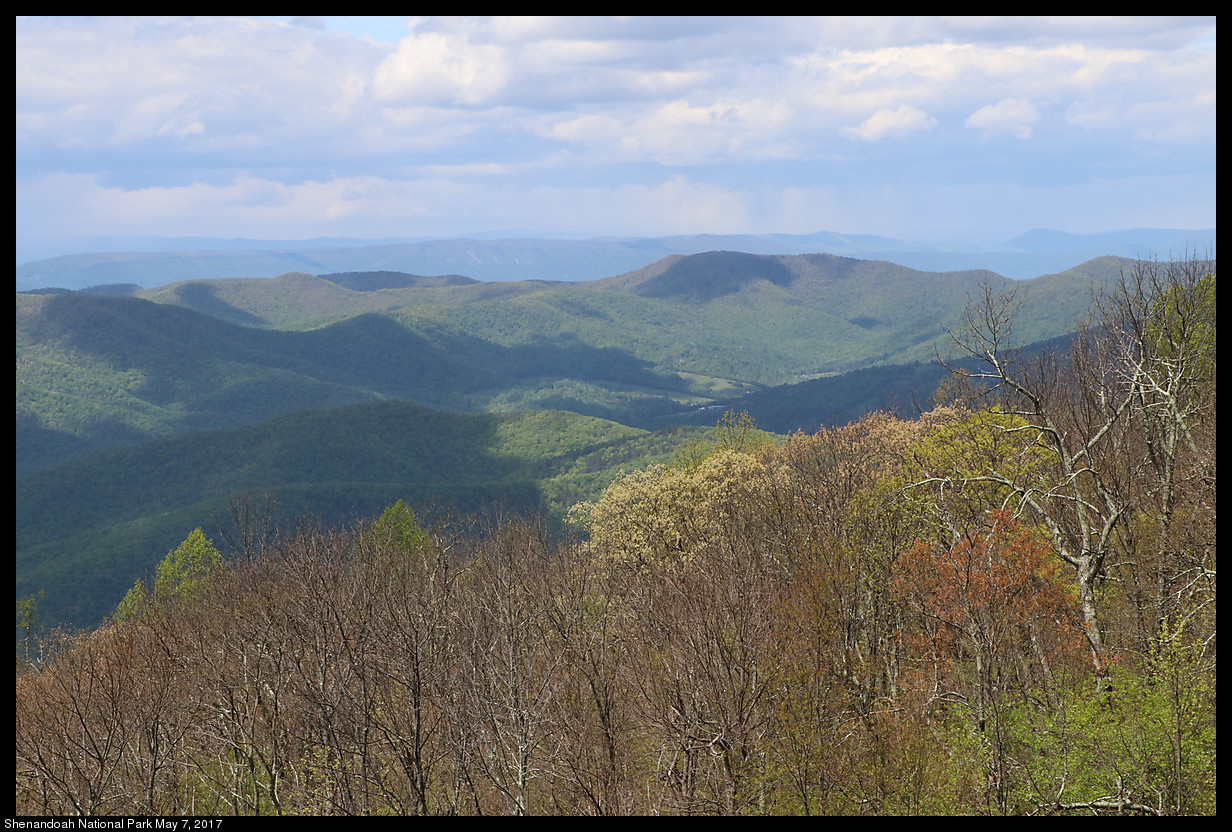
x=509, y=666
x=249, y=529
x=1115, y=415
x=413, y=664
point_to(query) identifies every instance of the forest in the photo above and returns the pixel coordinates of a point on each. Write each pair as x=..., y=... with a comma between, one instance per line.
x=138, y=416
x=1003, y=606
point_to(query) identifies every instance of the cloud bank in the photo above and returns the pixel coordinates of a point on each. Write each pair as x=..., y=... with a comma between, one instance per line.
x=964, y=128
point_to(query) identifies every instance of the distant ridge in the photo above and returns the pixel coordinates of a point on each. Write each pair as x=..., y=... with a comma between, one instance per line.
x=374, y=281
x=152, y=264
x=1137, y=242
x=97, y=371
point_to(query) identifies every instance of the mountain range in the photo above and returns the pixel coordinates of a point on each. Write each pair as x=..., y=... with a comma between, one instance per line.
x=150, y=262
x=141, y=411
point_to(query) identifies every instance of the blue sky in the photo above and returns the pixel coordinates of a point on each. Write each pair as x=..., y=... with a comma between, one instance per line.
x=965, y=130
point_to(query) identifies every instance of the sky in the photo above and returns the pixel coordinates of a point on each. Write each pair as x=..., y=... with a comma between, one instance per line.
x=969, y=130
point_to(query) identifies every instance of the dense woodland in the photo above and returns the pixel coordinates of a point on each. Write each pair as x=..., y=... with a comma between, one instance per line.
x=1005, y=606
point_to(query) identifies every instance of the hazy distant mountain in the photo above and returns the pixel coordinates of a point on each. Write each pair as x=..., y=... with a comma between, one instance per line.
x=1137, y=242
x=153, y=262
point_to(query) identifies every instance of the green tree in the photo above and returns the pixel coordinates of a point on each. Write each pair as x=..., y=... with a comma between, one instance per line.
x=182, y=574
x=134, y=604
x=398, y=527
x=186, y=569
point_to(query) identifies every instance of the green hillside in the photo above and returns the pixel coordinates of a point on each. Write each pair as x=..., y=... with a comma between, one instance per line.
x=88, y=528
x=97, y=372
x=748, y=319
x=725, y=314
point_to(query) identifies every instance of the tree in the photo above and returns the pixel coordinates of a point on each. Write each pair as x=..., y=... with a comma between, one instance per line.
x=28, y=652
x=1119, y=413
x=994, y=620
x=734, y=432
x=664, y=514
x=181, y=575
x=397, y=530
x=414, y=663
x=1161, y=320
x=509, y=665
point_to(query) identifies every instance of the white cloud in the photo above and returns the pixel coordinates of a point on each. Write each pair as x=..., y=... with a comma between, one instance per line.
x=227, y=121
x=124, y=84
x=1008, y=116
x=679, y=132
x=441, y=68
x=892, y=124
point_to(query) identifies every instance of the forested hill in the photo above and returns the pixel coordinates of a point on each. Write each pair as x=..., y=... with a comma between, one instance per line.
x=875, y=293
x=86, y=529
x=95, y=371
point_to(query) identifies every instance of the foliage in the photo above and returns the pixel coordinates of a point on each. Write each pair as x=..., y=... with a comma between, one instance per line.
x=181, y=576
x=663, y=514
x=741, y=635
x=1147, y=745
x=736, y=432
x=397, y=527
